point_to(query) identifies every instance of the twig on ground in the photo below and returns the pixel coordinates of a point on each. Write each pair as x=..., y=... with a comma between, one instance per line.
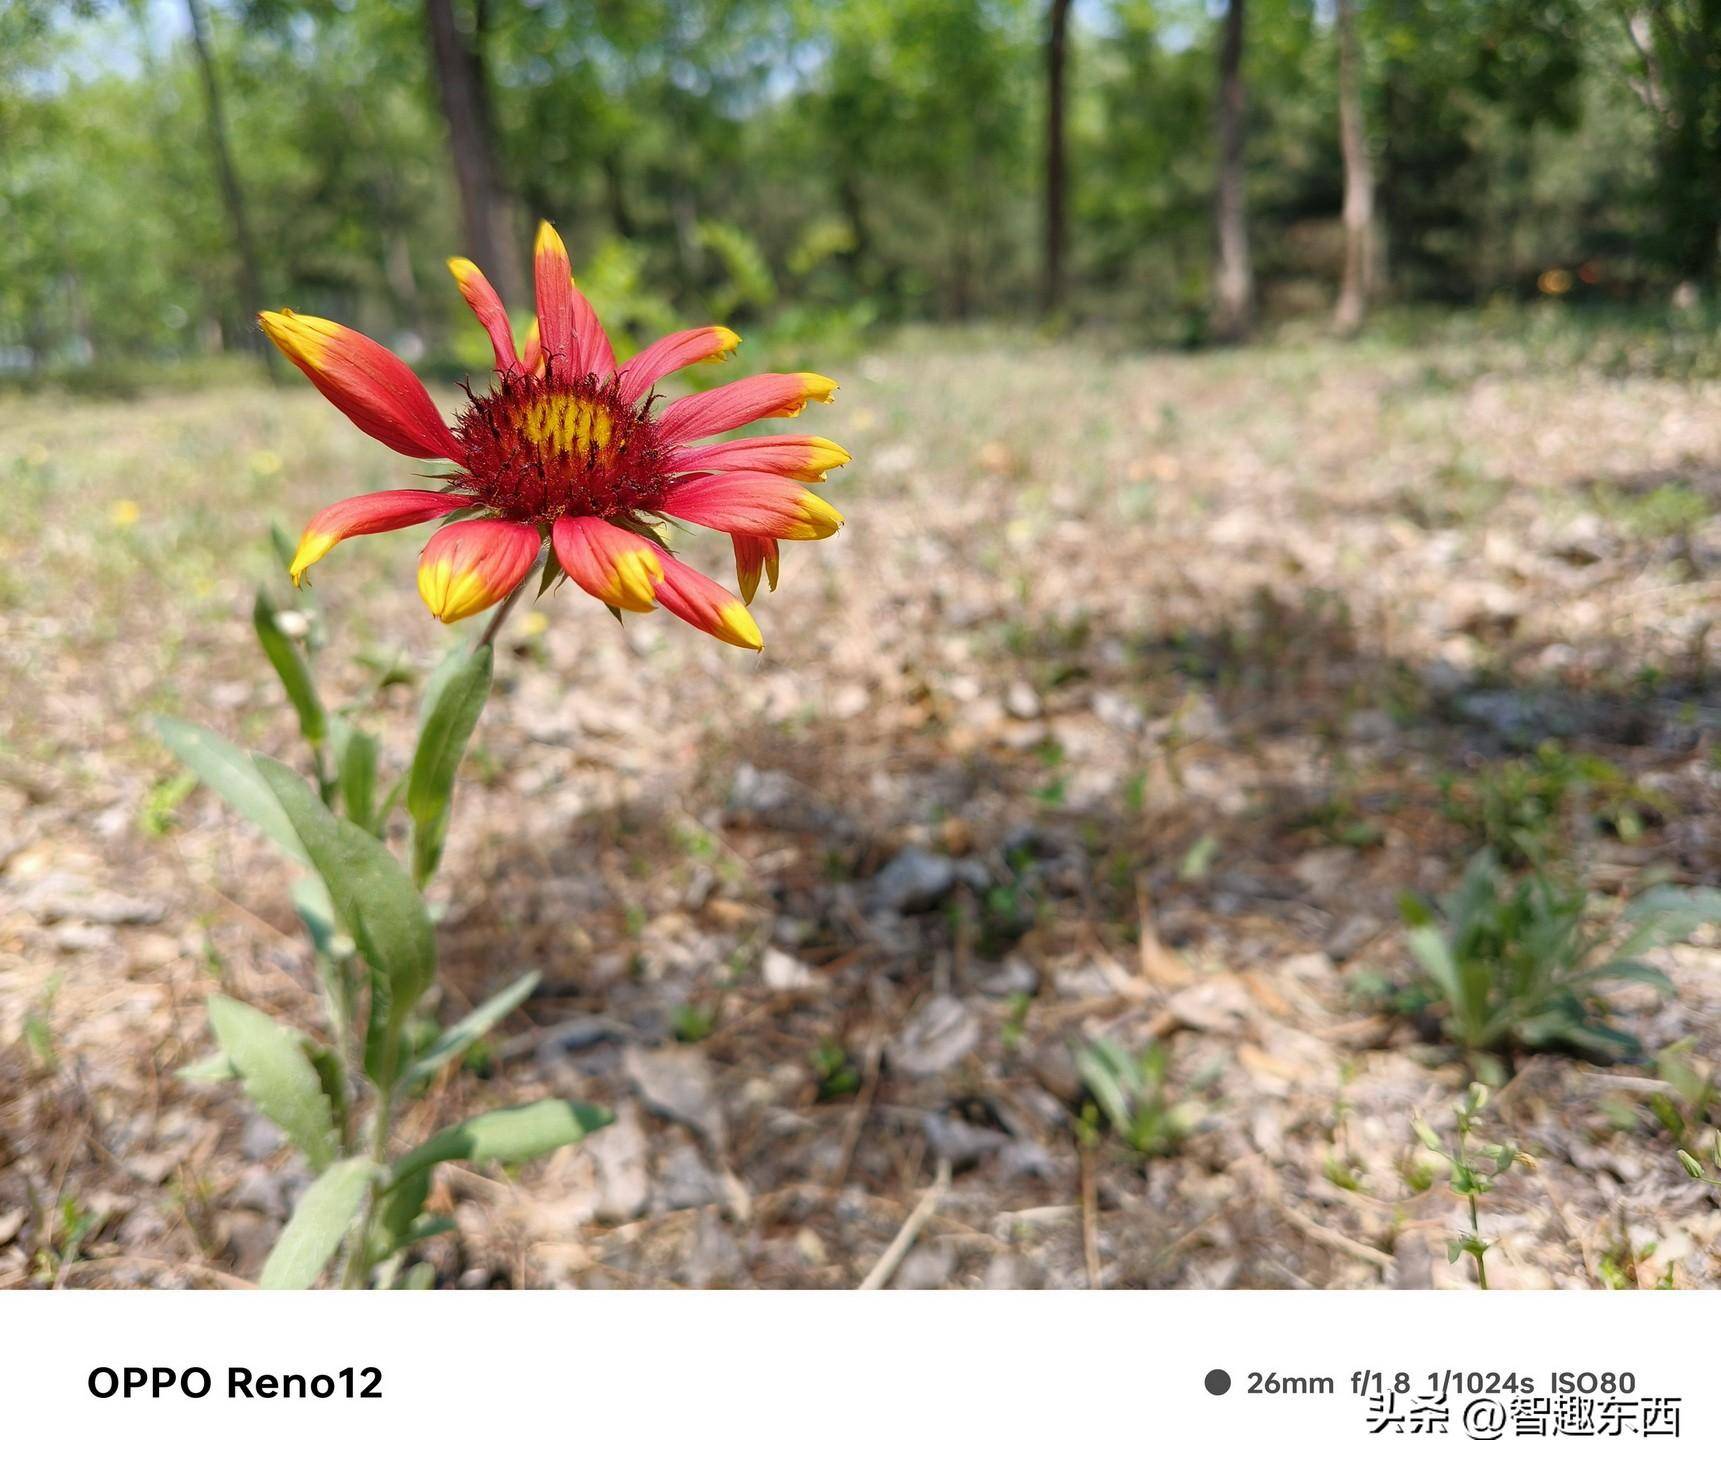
x=1090, y=1219
x=879, y=1276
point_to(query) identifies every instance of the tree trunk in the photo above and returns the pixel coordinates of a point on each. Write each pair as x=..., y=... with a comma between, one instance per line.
x=1233, y=278
x=1357, y=287
x=250, y=284
x=1057, y=55
x=486, y=218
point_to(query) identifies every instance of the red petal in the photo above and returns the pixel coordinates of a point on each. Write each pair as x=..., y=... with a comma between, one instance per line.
x=482, y=299
x=374, y=512
x=677, y=351
x=753, y=503
x=366, y=382
x=745, y=400
x=467, y=566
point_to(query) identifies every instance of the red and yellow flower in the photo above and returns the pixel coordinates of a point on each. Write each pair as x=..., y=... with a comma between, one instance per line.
x=571, y=446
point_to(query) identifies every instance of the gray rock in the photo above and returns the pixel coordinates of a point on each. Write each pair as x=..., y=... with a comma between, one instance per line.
x=676, y=1082
x=783, y=972
x=915, y=880
x=1013, y=976
x=1022, y=701
x=937, y=1035
x=58, y=896
x=262, y=1191
x=618, y=1153
x=260, y=1139
x=82, y=937
x=760, y=791
x=684, y=1181
x=926, y=1268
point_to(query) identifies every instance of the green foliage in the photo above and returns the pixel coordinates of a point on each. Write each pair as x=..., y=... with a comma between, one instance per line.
x=826, y=166
x=375, y=956
x=278, y=1076
x=511, y=1135
x=1474, y=1168
x=467, y=1032
x=373, y=897
x=1522, y=808
x=288, y=660
x=452, y=702
x=1134, y=1094
x=320, y=1222
x=1517, y=965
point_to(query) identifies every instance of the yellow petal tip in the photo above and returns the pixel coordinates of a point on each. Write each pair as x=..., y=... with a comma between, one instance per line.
x=549, y=241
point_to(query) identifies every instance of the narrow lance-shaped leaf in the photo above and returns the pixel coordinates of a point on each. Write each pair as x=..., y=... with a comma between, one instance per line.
x=230, y=772
x=355, y=773
x=277, y=1076
x=508, y=1136
x=321, y=1220
x=460, y=1037
x=289, y=663
x=452, y=703
x=373, y=897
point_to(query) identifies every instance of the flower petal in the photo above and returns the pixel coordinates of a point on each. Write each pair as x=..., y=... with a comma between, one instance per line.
x=366, y=382
x=468, y=566
x=754, y=398
x=532, y=350
x=803, y=457
x=677, y=351
x=482, y=299
x=574, y=341
x=753, y=555
x=629, y=572
x=593, y=353
x=707, y=605
x=609, y=563
x=374, y=512
x=555, y=282
x=753, y=503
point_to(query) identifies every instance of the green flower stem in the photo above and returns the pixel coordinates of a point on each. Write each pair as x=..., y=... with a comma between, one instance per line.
x=359, y=1261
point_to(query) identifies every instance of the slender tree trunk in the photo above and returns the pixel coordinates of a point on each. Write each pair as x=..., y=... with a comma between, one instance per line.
x=250, y=282
x=615, y=195
x=1357, y=288
x=1057, y=57
x=1234, y=279
x=484, y=205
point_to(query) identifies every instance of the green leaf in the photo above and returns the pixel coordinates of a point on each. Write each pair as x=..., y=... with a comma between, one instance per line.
x=289, y=663
x=452, y=701
x=271, y=1062
x=401, y=1206
x=1429, y=949
x=508, y=1136
x=215, y=1066
x=319, y=1223
x=460, y=1037
x=373, y=898
x=282, y=544
x=230, y=772
x=355, y=771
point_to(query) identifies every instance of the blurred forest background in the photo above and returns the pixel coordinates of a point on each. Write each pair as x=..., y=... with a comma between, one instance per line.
x=1183, y=169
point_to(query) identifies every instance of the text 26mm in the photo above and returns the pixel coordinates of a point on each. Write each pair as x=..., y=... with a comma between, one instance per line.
x=1285, y=1383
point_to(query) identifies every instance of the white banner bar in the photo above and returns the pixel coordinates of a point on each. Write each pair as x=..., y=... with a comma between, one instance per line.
x=644, y=1381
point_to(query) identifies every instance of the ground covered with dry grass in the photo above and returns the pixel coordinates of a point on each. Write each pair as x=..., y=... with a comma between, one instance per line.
x=1134, y=693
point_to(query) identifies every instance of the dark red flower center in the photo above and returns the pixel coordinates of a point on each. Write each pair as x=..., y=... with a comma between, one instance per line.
x=536, y=451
